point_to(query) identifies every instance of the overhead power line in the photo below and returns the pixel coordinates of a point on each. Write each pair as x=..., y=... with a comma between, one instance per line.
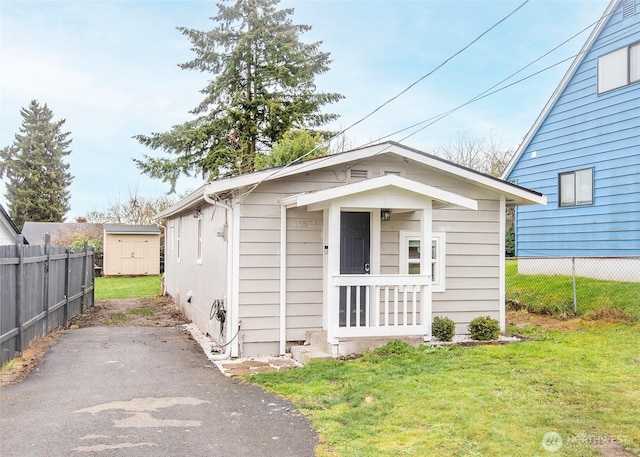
x=399, y=94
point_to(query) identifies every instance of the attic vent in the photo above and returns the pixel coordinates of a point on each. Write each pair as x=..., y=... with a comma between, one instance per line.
x=628, y=8
x=395, y=173
x=359, y=174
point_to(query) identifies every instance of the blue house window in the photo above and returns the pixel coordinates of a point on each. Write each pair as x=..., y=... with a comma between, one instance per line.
x=619, y=68
x=576, y=187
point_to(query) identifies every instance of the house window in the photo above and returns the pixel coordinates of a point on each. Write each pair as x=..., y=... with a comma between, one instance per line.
x=178, y=239
x=172, y=238
x=576, y=187
x=199, y=239
x=619, y=68
x=410, y=255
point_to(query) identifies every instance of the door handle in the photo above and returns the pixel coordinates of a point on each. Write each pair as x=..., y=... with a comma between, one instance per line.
x=367, y=267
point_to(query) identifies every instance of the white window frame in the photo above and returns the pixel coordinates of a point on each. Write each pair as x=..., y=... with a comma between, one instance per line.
x=619, y=68
x=437, y=262
x=199, y=239
x=575, y=174
x=178, y=238
x=172, y=238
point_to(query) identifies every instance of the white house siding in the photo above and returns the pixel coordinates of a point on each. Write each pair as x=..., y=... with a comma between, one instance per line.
x=6, y=237
x=259, y=302
x=472, y=260
x=207, y=279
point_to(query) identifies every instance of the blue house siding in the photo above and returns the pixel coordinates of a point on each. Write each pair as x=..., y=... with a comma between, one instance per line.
x=584, y=129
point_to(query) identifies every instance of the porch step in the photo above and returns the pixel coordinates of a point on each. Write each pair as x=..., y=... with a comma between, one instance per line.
x=303, y=354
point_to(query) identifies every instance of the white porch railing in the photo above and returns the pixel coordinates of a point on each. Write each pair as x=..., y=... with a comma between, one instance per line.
x=380, y=305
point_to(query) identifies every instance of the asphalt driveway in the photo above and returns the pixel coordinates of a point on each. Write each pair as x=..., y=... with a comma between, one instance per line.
x=143, y=391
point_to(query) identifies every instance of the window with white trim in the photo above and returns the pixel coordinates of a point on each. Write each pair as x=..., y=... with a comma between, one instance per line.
x=619, y=68
x=575, y=188
x=172, y=238
x=411, y=252
x=178, y=239
x=199, y=239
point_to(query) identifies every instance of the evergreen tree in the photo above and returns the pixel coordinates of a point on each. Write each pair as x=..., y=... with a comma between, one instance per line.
x=38, y=178
x=261, y=86
x=294, y=145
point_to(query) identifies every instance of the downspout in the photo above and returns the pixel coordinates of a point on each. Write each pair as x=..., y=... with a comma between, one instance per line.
x=283, y=279
x=502, y=259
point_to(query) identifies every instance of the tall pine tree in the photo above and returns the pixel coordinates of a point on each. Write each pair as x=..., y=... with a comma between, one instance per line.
x=38, y=178
x=262, y=85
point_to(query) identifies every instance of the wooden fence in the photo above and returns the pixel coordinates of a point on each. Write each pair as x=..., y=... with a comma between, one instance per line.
x=42, y=287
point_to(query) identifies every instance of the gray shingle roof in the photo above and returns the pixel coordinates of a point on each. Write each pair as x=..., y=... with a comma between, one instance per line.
x=131, y=229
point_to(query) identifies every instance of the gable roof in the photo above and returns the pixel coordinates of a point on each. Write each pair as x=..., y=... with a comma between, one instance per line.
x=129, y=229
x=515, y=194
x=389, y=182
x=564, y=82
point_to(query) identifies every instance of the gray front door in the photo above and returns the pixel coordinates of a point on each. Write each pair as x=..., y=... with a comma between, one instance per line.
x=355, y=248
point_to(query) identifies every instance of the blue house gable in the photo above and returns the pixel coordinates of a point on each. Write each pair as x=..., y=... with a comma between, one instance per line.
x=583, y=152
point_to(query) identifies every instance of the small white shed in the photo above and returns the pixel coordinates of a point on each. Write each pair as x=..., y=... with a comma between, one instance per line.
x=131, y=250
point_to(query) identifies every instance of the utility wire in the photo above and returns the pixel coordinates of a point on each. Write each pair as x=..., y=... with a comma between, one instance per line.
x=402, y=92
x=432, y=120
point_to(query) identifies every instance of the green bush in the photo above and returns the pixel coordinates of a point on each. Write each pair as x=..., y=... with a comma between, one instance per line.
x=443, y=328
x=484, y=328
x=394, y=347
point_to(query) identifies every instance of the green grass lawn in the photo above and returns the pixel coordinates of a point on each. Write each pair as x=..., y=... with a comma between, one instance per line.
x=126, y=287
x=554, y=295
x=476, y=401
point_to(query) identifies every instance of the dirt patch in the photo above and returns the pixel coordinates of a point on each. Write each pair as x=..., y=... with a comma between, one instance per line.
x=129, y=312
x=612, y=449
x=521, y=319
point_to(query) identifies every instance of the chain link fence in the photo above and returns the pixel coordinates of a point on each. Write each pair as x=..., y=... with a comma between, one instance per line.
x=595, y=287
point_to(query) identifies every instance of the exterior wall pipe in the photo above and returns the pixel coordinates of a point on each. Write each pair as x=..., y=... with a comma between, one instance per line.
x=231, y=254
x=283, y=279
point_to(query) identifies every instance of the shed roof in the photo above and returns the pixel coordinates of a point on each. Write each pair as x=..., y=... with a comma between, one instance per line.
x=129, y=229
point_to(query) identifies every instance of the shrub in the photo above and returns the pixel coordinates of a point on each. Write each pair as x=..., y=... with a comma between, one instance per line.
x=394, y=347
x=484, y=328
x=443, y=328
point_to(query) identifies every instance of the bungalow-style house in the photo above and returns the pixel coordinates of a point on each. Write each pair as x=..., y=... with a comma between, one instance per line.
x=583, y=153
x=364, y=244
x=131, y=250
x=8, y=229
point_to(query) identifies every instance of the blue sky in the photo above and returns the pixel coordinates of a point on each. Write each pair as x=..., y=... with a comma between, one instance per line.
x=110, y=69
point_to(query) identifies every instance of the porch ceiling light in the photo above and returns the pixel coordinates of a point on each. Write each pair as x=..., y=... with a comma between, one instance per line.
x=385, y=214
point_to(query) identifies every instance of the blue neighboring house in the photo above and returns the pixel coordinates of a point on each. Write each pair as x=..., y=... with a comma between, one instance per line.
x=583, y=152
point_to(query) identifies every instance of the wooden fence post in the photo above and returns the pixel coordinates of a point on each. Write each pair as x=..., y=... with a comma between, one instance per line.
x=47, y=278
x=19, y=279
